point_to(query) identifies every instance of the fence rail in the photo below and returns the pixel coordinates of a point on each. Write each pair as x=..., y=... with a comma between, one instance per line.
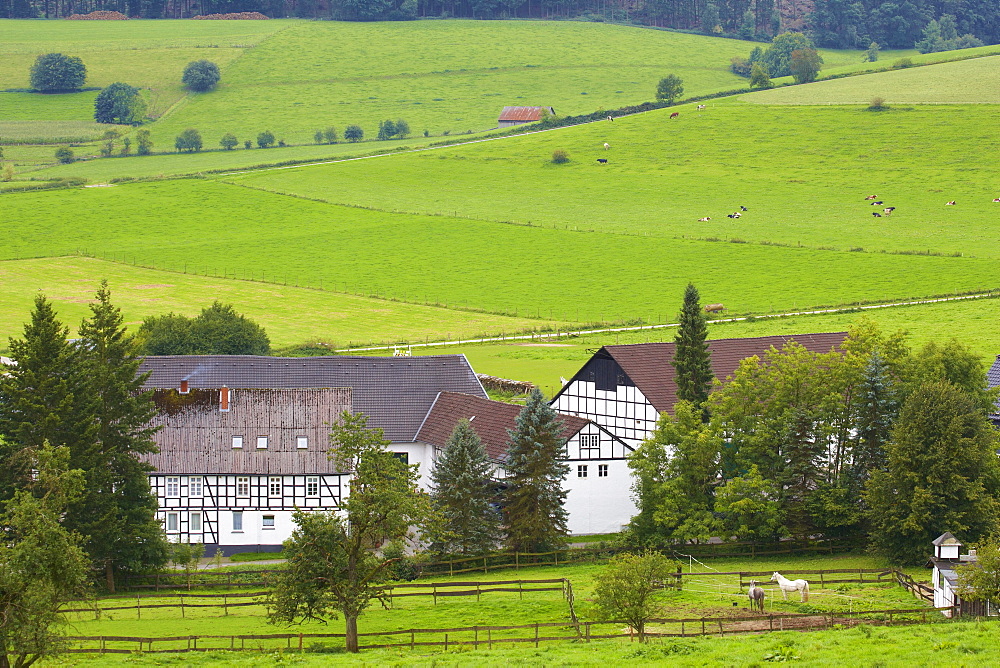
x=488, y=636
x=918, y=589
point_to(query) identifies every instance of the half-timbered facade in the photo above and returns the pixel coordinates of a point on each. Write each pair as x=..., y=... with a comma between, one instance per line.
x=243, y=440
x=598, y=483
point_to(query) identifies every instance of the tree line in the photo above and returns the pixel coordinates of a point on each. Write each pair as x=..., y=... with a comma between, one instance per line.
x=877, y=442
x=830, y=23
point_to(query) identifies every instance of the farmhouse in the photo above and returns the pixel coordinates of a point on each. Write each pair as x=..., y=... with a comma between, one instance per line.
x=244, y=439
x=944, y=578
x=521, y=115
x=624, y=388
x=596, y=457
x=992, y=380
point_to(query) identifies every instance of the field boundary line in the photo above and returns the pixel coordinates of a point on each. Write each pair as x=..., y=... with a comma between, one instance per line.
x=635, y=328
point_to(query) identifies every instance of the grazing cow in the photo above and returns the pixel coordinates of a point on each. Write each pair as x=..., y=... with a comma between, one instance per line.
x=610, y=118
x=700, y=107
x=743, y=208
x=877, y=203
x=606, y=146
x=603, y=161
x=996, y=199
x=714, y=308
x=871, y=197
x=675, y=114
x=876, y=214
x=704, y=220
x=951, y=203
x=888, y=210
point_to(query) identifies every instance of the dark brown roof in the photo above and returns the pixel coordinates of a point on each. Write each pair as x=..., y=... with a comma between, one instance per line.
x=394, y=392
x=521, y=113
x=490, y=419
x=649, y=364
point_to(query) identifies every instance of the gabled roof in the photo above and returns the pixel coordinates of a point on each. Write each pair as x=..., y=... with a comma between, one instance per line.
x=489, y=419
x=993, y=379
x=649, y=366
x=394, y=392
x=945, y=539
x=522, y=114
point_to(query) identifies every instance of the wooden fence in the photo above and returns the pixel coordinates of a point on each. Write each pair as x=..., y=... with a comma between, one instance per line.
x=918, y=589
x=431, y=589
x=488, y=636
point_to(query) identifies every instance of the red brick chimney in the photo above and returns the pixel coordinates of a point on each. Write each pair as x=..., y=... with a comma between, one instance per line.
x=184, y=386
x=224, y=399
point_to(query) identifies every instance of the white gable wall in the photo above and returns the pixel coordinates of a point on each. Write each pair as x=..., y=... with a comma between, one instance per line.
x=624, y=411
x=599, y=483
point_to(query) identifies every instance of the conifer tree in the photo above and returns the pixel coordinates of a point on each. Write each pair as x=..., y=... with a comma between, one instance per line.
x=874, y=415
x=43, y=398
x=691, y=356
x=118, y=510
x=463, y=495
x=536, y=518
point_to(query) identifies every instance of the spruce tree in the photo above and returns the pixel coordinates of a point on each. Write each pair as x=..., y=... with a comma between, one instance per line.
x=874, y=415
x=536, y=518
x=691, y=356
x=463, y=494
x=43, y=398
x=118, y=510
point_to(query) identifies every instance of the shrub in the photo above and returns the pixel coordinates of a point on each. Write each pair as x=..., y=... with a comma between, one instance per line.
x=318, y=137
x=871, y=55
x=145, y=144
x=247, y=144
x=8, y=174
x=353, y=133
x=427, y=133
x=560, y=156
x=386, y=130
x=201, y=75
x=189, y=140
x=759, y=77
x=877, y=104
x=119, y=103
x=56, y=72
x=740, y=66
x=402, y=129
x=64, y=155
x=229, y=141
x=330, y=135
x=126, y=147
x=265, y=139
x=902, y=63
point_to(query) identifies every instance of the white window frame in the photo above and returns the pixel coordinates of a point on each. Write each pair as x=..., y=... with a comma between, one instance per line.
x=262, y=442
x=238, y=519
x=264, y=522
x=271, y=482
x=590, y=441
x=312, y=486
x=172, y=487
x=196, y=486
x=602, y=470
x=581, y=471
x=177, y=522
x=237, y=442
x=194, y=517
x=301, y=442
x=245, y=492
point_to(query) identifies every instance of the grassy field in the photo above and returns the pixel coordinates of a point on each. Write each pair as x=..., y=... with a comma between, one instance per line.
x=803, y=172
x=291, y=315
x=975, y=81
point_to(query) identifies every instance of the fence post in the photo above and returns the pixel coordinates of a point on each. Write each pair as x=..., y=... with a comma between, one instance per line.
x=225, y=605
x=412, y=642
x=434, y=593
x=300, y=642
x=517, y=561
x=478, y=592
x=138, y=612
x=489, y=638
x=446, y=642
x=182, y=606
x=536, y=634
x=475, y=642
x=702, y=626
x=486, y=568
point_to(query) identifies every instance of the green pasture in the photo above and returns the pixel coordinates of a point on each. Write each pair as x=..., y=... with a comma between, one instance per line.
x=975, y=81
x=803, y=173
x=291, y=315
x=445, y=75
x=523, y=271
x=543, y=363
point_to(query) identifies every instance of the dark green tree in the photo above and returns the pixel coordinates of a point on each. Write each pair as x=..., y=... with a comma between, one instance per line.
x=218, y=330
x=874, y=415
x=629, y=588
x=229, y=141
x=535, y=516
x=44, y=398
x=333, y=564
x=778, y=56
x=201, y=75
x=692, y=359
x=117, y=511
x=670, y=88
x=42, y=566
x=402, y=128
x=119, y=103
x=759, y=77
x=805, y=65
x=353, y=133
x=871, y=55
x=189, y=140
x=265, y=139
x=464, y=496
x=54, y=72
x=145, y=144
x=330, y=135
x=749, y=509
x=386, y=130
x=710, y=21
x=943, y=475
x=65, y=155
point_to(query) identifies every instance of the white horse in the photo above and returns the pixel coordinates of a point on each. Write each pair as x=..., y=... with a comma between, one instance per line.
x=787, y=585
x=756, y=595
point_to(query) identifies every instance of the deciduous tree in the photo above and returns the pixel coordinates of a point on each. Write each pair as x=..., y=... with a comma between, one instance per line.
x=759, y=77
x=189, y=140
x=229, y=141
x=805, y=65
x=749, y=508
x=54, y=72
x=980, y=580
x=353, y=133
x=631, y=588
x=265, y=139
x=217, y=330
x=119, y=103
x=201, y=75
x=670, y=88
x=778, y=56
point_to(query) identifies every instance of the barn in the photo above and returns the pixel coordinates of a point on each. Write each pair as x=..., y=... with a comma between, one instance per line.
x=520, y=115
x=243, y=439
x=594, y=454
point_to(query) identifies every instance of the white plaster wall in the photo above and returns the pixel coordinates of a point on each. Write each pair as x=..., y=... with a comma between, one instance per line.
x=599, y=505
x=420, y=454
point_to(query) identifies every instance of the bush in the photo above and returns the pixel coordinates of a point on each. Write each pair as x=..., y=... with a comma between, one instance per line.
x=318, y=137
x=64, y=155
x=560, y=156
x=265, y=139
x=902, y=63
x=219, y=330
x=330, y=135
x=201, y=75
x=353, y=133
x=759, y=77
x=229, y=141
x=877, y=104
x=119, y=103
x=189, y=140
x=386, y=130
x=740, y=66
x=145, y=144
x=247, y=144
x=402, y=129
x=56, y=72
